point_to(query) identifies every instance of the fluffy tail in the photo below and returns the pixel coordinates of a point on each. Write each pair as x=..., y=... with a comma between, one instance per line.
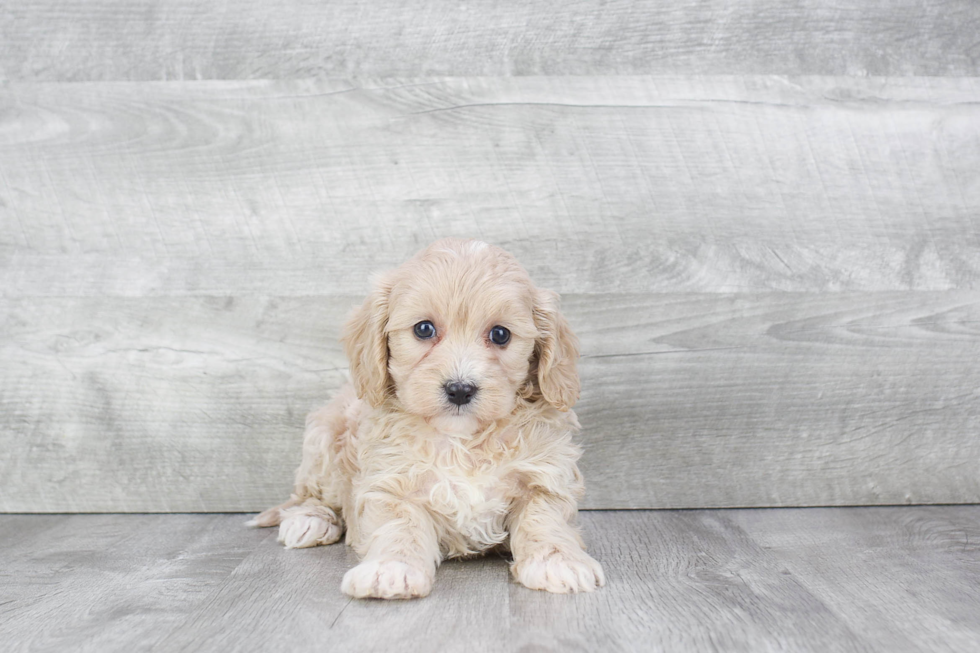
x=272, y=516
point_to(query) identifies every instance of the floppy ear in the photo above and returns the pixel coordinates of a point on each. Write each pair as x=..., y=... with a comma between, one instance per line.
x=366, y=344
x=557, y=353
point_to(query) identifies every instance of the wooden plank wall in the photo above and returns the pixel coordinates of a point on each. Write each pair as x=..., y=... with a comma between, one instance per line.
x=764, y=219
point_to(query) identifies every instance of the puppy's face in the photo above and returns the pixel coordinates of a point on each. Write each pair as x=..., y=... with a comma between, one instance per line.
x=457, y=334
x=461, y=334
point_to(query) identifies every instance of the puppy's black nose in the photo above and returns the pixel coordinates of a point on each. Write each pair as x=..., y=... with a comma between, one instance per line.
x=460, y=393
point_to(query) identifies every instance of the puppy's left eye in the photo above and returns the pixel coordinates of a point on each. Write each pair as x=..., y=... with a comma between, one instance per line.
x=499, y=335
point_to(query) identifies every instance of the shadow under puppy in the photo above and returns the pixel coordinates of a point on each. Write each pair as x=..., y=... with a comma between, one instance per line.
x=455, y=435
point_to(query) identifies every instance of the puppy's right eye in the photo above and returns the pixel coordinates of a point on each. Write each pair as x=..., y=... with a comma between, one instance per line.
x=425, y=330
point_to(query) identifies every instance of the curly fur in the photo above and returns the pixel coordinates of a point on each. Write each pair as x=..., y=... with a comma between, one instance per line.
x=414, y=479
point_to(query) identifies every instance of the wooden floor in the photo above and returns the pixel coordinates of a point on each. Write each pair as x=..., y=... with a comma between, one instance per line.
x=814, y=579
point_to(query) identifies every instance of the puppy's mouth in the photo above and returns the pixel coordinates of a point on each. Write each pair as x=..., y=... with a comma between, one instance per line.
x=458, y=411
x=456, y=419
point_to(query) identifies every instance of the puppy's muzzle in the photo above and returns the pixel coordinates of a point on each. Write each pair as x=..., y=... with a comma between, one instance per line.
x=460, y=393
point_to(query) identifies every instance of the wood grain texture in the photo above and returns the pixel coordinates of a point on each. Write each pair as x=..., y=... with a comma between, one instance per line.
x=683, y=581
x=782, y=400
x=874, y=550
x=689, y=400
x=599, y=185
x=893, y=580
x=110, y=40
x=101, y=583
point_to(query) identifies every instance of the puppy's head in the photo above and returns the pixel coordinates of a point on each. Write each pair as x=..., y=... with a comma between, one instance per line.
x=457, y=334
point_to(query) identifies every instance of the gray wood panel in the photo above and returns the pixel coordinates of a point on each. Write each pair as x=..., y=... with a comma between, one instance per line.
x=689, y=400
x=599, y=185
x=874, y=550
x=175, y=260
x=105, y=582
x=146, y=403
x=893, y=580
x=781, y=400
x=54, y=40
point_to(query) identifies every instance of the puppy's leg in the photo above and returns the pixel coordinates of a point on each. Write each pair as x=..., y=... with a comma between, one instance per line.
x=312, y=515
x=302, y=523
x=400, y=551
x=315, y=516
x=312, y=523
x=548, y=552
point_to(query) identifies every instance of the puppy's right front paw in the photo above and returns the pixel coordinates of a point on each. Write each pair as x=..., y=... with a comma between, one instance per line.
x=299, y=531
x=386, y=579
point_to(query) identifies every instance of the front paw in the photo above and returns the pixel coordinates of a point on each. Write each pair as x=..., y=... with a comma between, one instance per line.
x=386, y=579
x=560, y=572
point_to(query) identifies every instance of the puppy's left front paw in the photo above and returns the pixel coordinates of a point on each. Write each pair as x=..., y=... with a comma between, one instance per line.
x=386, y=579
x=560, y=572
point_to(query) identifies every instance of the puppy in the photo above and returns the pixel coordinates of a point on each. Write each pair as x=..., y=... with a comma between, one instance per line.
x=455, y=435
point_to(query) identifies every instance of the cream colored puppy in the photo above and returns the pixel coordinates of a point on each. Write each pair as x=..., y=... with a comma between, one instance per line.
x=455, y=436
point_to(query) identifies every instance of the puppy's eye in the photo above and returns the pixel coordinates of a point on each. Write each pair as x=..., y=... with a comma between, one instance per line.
x=499, y=335
x=425, y=330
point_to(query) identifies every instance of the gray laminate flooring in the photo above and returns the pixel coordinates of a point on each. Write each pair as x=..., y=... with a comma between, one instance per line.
x=809, y=579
